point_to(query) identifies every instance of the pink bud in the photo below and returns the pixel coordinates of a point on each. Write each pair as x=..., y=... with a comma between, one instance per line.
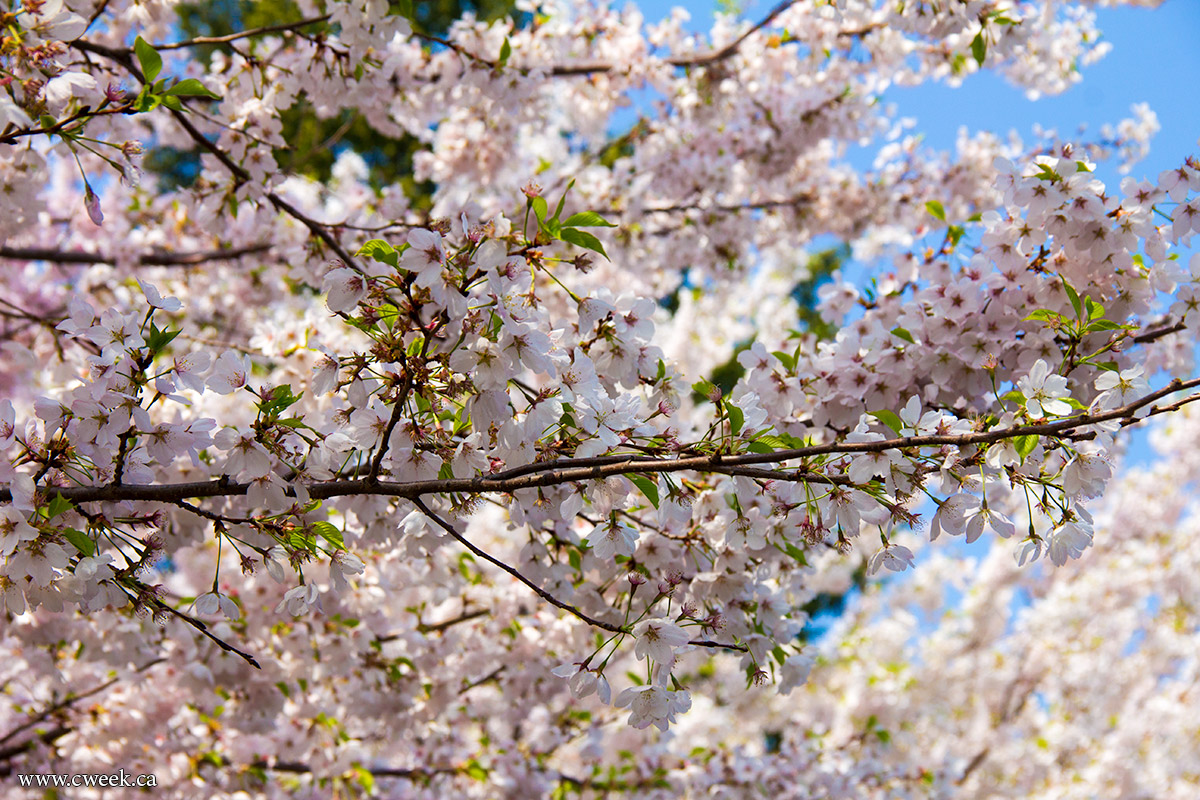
x=92, y=203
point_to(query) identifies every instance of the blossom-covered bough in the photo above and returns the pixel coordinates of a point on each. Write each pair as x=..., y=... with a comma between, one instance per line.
x=313, y=487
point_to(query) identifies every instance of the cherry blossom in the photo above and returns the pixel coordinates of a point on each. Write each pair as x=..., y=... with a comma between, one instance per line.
x=322, y=480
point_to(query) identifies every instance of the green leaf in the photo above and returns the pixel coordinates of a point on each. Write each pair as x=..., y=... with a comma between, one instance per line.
x=1045, y=315
x=364, y=778
x=1015, y=395
x=83, y=543
x=540, y=209
x=505, y=52
x=901, y=333
x=936, y=210
x=157, y=341
x=1045, y=173
x=736, y=418
x=302, y=540
x=146, y=101
x=979, y=48
x=329, y=532
x=1094, y=309
x=190, y=87
x=1103, y=325
x=583, y=239
x=381, y=251
x=889, y=418
x=705, y=388
x=476, y=771
x=1024, y=445
x=148, y=58
x=788, y=361
x=281, y=398
x=1073, y=296
x=646, y=486
x=773, y=442
x=58, y=506
x=172, y=103
x=563, y=199
x=587, y=219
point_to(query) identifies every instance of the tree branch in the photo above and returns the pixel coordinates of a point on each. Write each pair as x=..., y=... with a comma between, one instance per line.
x=572, y=470
x=6, y=753
x=542, y=593
x=153, y=259
x=233, y=37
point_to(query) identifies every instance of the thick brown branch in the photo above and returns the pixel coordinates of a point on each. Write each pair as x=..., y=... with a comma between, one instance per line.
x=155, y=259
x=572, y=470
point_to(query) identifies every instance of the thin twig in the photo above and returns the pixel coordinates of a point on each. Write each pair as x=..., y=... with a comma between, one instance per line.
x=233, y=37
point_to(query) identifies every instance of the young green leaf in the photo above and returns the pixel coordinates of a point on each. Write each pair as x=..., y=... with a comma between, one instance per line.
x=979, y=48
x=587, y=219
x=936, y=210
x=736, y=418
x=889, y=418
x=582, y=239
x=1024, y=445
x=1073, y=296
x=563, y=199
x=329, y=532
x=58, y=506
x=190, y=87
x=81, y=541
x=148, y=58
x=540, y=209
x=381, y=251
x=646, y=486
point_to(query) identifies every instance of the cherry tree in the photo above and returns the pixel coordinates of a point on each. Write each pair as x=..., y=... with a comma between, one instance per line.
x=532, y=485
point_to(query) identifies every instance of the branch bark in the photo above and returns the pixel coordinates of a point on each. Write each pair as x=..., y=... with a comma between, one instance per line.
x=153, y=259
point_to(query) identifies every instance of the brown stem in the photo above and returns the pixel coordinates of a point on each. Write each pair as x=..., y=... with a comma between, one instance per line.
x=233, y=37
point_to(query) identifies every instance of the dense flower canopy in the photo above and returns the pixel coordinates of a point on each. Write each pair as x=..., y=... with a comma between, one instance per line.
x=528, y=472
